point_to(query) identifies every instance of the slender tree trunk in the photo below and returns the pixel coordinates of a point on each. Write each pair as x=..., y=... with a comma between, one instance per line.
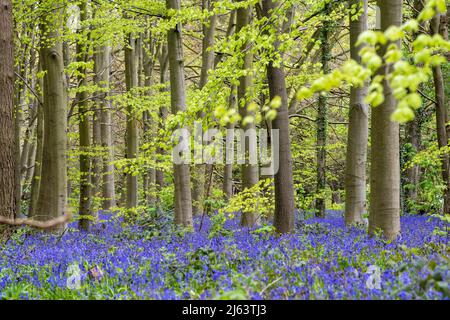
x=102, y=69
x=250, y=174
x=163, y=69
x=21, y=90
x=410, y=180
x=200, y=172
x=232, y=102
x=385, y=165
x=228, y=168
x=355, y=164
x=26, y=149
x=36, y=181
x=52, y=198
x=149, y=123
x=322, y=119
x=284, y=184
x=439, y=25
x=85, y=205
x=17, y=140
x=97, y=158
x=131, y=72
x=31, y=161
x=7, y=143
x=183, y=199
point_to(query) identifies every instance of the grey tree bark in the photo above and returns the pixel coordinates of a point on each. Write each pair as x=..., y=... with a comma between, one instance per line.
x=20, y=101
x=131, y=75
x=284, y=185
x=35, y=182
x=199, y=176
x=250, y=174
x=85, y=200
x=149, y=49
x=356, y=158
x=385, y=165
x=183, y=198
x=7, y=143
x=228, y=168
x=322, y=112
x=232, y=102
x=102, y=68
x=439, y=25
x=163, y=111
x=52, y=198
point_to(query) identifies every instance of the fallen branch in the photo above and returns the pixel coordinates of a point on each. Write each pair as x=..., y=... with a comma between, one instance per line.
x=49, y=224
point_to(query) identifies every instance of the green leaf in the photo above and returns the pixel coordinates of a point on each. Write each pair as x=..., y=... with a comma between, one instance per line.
x=426, y=14
x=271, y=115
x=304, y=93
x=276, y=102
x=402, y=115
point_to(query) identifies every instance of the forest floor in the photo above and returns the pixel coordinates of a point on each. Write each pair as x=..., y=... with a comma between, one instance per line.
x=150, y=259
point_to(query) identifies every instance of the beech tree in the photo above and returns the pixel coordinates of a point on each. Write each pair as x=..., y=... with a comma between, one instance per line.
x=439, y=25
x=385, y=163
x=284, y=188
x=7, y=156
x=131, y=79
x=355, y=172
x=52, y=199
x=84, y=129
x=209, y=29
x=183, y=198
x=250, y=174
x=322, y=115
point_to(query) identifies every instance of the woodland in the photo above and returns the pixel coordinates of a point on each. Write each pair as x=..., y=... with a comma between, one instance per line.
x=224, y=149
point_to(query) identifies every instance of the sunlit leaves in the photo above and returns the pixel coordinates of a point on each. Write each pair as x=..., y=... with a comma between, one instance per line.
x=403, y=76
x=375, y=96
x=394, y=33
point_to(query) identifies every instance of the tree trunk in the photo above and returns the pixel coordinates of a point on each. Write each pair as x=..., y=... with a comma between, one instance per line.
x=149, y=123
x=183, y=199
x=52, y=198
x=85, y=205
x=355, y=169
x=97, y=165
x=411, y=145
x=284, y=185
x=30, y=164
x=228, y=168
x=439, y=25
x=322, y=119
x=163, y=69
x=20, y=101
x=7, y=143
x=36, y=181
x=102, y=70
x=385, y=165
x=131, y=73
x=200, y=172
x=250, y=174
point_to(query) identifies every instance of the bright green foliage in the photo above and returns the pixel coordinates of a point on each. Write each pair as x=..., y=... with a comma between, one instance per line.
x=403, y=76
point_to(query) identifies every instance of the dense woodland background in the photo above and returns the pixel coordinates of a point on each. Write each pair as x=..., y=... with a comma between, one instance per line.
x=94, y=89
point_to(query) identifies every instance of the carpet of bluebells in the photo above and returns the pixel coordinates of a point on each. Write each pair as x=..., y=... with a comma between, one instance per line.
x=150, y=259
